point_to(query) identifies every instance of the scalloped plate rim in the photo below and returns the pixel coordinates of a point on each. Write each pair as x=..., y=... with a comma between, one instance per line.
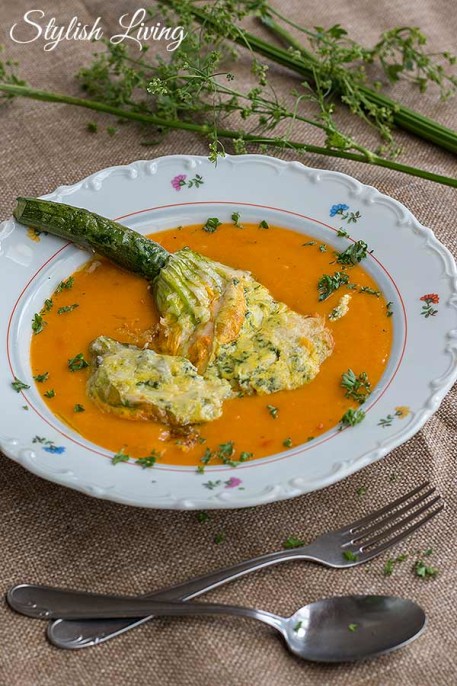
x=276, y=491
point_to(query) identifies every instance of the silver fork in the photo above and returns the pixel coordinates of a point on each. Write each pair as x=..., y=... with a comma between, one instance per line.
x=349, y=546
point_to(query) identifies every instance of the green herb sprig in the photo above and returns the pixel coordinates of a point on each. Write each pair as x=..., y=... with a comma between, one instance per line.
x=357, y=387
x=351, y=418
x=120, y=456
x=236, y=220
x=424, y=570
x=188, y=91
x=67, y=308
x=354, y=254
x=65, y=285
x=329, y=284
x=391, y=562
x=76, y=363
x=38, y=324
x=212, y=224
x=293, y=542
x=19, y=385
x=274, y=411
x=225, y=453
x=148, y=461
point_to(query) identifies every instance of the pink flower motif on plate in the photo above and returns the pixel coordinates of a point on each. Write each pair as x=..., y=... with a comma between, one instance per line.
x=178, y=181
x=233, y=482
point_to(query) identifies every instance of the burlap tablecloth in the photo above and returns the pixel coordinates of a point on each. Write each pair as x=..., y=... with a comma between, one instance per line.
x=52, y=535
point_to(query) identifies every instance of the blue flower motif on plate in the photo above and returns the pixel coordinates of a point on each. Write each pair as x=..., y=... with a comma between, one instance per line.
x=338, y=209
x=55, y=449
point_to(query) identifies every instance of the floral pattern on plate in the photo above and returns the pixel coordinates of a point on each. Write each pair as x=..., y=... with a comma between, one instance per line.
x=179, y=181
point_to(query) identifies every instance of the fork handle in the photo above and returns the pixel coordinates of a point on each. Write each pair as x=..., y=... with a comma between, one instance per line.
x=72, y=634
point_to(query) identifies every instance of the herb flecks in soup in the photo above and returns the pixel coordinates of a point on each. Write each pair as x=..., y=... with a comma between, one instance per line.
x=116, y=304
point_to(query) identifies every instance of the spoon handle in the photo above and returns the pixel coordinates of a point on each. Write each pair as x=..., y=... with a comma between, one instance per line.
x=84, y=633
x=97, y=606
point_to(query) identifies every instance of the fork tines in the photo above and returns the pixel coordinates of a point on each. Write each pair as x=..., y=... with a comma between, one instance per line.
x=377, y=532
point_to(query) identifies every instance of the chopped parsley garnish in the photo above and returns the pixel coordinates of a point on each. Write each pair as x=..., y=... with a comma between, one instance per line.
x=236, y=220
x=47, y=305
x=226, y=449
x=329, y=284
x=202, y=517
x=207, y=455
x=41, y=377
x=264, y=225
x=335, y=314
x=352, y=627
x=358, y=387
x=423, y=570
x=342, y=233
x=65, y=285
x=369, y=291
x=38, y=323
x=350, y=556
x=352, y=417
x=389, y=310
x=111, y=130
x=78, y=408
x=298, y=626
x=309, y=243
x=121, y=456
x=388, y=567
x=273, y=411
x=92, y=127
x=148, y=461
x=219, y=538
x=225, y=453
x=293, y=542
x=391, y=562
x=76, y=363
x=323, y=248
x=19, y=385
x=25, y=407
x=287, y=442
x=212, y=223
x=200, y=469
x=50, y=393
x=361, y=491
x=67, y=308
x=353, y=254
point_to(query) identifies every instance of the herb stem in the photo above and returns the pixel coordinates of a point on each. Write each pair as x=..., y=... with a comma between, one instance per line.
x=403, y=116
x=303, y=64
x=269, y=10
x=204, y=129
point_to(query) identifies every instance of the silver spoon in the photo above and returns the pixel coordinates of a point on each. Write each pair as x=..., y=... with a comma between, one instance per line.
x=337, y=629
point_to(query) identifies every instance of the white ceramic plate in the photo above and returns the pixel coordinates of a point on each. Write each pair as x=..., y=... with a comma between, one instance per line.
x=416, y=273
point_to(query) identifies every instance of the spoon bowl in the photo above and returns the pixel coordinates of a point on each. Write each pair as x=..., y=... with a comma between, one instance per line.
x=348, y=628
